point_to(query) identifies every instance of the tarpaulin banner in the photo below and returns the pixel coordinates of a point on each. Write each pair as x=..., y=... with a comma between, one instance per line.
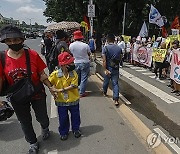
x=175, y=66
x=143, y=55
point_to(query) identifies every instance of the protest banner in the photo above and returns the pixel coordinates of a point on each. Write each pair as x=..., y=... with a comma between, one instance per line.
x=126, y=38
x=159, y=55
x=173, y=38
x=175, y=66
x=143, y=55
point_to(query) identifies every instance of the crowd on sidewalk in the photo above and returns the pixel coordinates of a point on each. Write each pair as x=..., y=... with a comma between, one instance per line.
x=159, y=56
x=22, y=75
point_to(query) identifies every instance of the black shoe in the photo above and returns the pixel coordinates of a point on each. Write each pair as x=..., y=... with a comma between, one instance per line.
x=169, y=85
x=64, y=137
x=174, y=91
x=116, y=103
x=162, y=78
x=104, y=94
x=77, y=134
x=45, y=134
x=34, y=148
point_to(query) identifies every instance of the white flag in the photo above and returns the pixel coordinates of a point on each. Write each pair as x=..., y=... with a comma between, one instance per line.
x=143, y=32
x=155, y=17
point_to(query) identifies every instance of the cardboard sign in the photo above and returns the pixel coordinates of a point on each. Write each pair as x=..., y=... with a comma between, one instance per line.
x=159, y=55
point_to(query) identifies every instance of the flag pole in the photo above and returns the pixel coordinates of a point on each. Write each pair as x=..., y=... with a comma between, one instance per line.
x=124, y=17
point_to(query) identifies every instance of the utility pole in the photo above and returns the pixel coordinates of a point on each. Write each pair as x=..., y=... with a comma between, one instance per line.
x=30, y=21
x=124, y=18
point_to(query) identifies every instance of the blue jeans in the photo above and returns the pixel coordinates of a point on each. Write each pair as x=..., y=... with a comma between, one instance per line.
x=114, y=79
x=64, y=118
x=82, y=70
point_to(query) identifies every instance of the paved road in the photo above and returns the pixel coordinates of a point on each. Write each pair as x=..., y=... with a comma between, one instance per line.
x=105, y=128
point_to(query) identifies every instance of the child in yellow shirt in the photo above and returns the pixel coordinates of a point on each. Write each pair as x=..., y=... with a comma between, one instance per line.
x=65, y=81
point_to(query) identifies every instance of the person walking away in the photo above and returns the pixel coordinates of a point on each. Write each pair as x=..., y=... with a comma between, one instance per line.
x=48, y=42
x=58, y=47
x=81, y=53
x=61, y=37
x=128, y=50
x=43, y=45
x=112, y=55
x=122, y=45
x=92, y=46
x=15, y=70
x=65, y=81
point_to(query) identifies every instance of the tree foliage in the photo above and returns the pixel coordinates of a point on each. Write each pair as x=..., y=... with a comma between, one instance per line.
x=109, y=13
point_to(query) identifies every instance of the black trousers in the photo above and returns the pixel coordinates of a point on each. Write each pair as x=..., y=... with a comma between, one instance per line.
x=159, y=66
x=23, y=112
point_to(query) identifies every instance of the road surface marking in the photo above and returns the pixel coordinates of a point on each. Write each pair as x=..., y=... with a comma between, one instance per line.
x=53, y=152
x=129, y=65
x=148, y=73
x=152, y=77
x=164, y=137
x=154, y=90
x=141, y=70
x=135, y=68
x=137, y=124
x=54, y=112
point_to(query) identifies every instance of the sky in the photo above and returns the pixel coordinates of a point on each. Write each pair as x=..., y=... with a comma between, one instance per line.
x=24, y=10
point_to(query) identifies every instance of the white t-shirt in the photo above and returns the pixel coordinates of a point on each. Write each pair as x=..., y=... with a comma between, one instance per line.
x=128, y=47
x=122, y=46
x=80, y=51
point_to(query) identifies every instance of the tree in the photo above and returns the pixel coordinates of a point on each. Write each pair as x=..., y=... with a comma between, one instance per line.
x=109, y=13
x=36, y=26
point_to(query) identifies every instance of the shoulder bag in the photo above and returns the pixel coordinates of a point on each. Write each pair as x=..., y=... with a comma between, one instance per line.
x=22, y=91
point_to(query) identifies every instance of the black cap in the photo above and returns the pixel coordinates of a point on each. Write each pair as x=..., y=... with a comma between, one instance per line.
x=10, y=31
x=61, y=34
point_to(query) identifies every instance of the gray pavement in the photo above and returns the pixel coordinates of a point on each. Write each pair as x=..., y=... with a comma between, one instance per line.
x=104, y=129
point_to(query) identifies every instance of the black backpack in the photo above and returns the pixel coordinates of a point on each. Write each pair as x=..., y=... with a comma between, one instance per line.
x=52, y=56
x=5, y=84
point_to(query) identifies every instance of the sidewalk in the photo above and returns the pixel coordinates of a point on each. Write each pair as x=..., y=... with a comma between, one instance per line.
x=104, y=130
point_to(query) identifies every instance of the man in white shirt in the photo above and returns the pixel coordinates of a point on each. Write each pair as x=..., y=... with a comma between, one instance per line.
x=122, y=45
x=81, y=53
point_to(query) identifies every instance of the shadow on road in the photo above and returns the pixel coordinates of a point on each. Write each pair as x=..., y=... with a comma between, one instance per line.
x=10, y=130
x=70, y=143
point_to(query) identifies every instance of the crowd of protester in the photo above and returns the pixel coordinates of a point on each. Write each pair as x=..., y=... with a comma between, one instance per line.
x=161, y=69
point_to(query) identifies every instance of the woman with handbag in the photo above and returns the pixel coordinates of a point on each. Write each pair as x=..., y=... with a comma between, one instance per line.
x=24, y=72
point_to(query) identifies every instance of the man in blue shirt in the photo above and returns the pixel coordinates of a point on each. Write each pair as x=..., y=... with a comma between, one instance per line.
x=112, y=55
